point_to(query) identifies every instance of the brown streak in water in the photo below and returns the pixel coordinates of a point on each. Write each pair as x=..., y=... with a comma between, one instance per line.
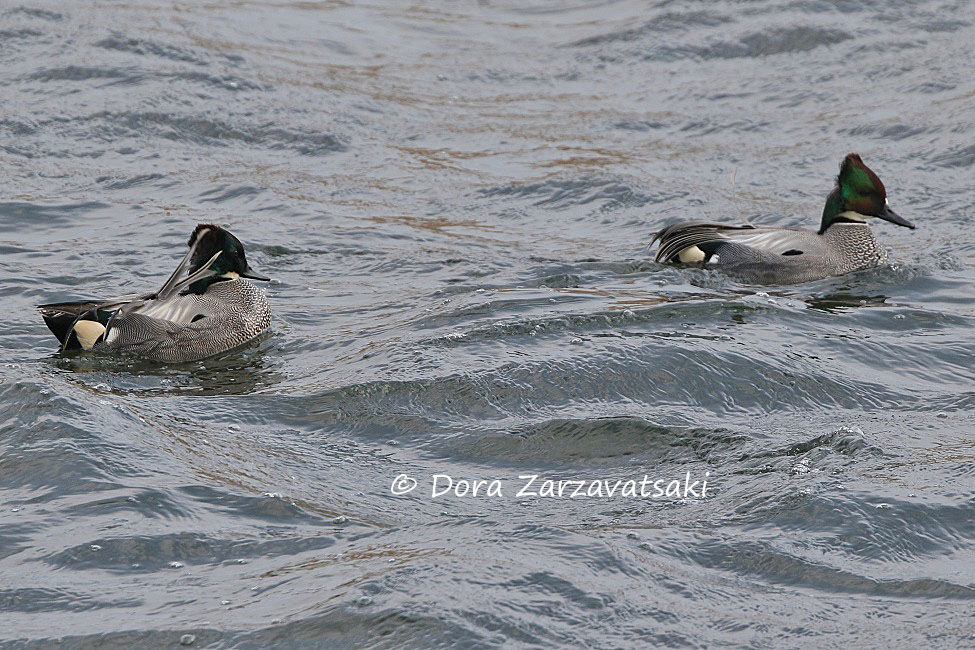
x=317, y=6
x=402, y=555
x=442, y=153
x=439, y=226
x=577, y=161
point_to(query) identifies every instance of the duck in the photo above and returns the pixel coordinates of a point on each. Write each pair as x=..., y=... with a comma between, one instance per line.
x=211, y=310
x=787, y=255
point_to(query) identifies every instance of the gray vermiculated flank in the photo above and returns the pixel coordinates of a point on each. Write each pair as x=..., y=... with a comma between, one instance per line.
x=843, y=248
x=235, y=312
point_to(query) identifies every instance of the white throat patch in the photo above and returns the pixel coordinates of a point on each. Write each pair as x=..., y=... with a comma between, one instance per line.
x=850, y=214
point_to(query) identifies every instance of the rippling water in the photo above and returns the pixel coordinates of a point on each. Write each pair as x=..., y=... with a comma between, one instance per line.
x=454, y=199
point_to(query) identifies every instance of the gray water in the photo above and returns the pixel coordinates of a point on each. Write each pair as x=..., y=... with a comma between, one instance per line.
x=454, y=199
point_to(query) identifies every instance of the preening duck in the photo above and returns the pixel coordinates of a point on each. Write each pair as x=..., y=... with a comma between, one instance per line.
x=210, y=310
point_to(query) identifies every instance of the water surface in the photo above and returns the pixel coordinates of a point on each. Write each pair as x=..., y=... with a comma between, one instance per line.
x=453, y=199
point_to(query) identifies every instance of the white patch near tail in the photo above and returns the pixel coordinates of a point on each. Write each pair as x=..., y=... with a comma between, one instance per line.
x=691, y=255
x=88, y=332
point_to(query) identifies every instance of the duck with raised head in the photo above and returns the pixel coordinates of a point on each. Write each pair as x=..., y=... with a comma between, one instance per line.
x=785, y=255
x=210, y=310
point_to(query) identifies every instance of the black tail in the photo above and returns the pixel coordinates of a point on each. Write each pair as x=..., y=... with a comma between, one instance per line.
x=678, y=236
x=61, y=317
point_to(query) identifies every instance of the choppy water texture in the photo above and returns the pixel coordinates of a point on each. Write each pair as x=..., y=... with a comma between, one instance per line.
x=453, y=199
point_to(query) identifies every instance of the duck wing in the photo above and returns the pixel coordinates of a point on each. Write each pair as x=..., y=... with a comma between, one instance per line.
x=153, y=329
x=61, y=317
x=181, y=309
x=152, y=338
x=174, y=284
x=711, y=237
x=155, y=339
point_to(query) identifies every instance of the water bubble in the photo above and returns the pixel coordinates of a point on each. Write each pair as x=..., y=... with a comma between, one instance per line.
x=341, y=519
x=240, y=560
x=882, y=506
x=224, y=602
x=362, y=601
x=629, y=313
x=576, y=341
x=633, y=535
x=187, y=639
x=942, y=415
x=95, y=547
x=175, y=565
x=233, y=427
x=800, y=468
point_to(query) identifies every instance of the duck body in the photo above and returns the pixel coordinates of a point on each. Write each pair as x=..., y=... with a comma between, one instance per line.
x=768, y=255
x=788, y=255
x=212, y=310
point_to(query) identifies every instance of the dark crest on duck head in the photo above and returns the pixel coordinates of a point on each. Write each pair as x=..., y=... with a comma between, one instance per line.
x=858, y=189
x=208, y=239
